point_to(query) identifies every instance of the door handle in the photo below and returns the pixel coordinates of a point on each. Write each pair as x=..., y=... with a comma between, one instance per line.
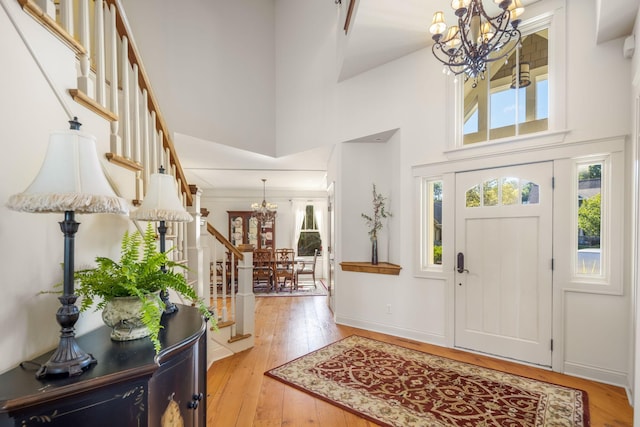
x=461, y=268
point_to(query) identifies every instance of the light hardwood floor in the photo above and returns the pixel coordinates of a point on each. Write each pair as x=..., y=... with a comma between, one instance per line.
x=239, y=394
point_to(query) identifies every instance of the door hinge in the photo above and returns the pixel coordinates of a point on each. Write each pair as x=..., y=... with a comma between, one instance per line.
x=551, y=345
x=553, y=182
x=552, y=264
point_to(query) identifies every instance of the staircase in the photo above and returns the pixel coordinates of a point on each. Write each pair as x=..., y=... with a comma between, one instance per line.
x=111, y=82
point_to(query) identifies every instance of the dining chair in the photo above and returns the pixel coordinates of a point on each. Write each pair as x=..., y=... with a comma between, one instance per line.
x=263, y=271
x=284, y=272
x=307, y=267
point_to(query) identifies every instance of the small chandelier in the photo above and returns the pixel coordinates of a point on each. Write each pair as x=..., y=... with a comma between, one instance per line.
x=264, y=212
x=477, y=39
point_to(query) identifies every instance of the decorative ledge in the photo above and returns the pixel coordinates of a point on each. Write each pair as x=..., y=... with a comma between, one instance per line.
x=124, y=162
x=367, y=267
x=83, y=99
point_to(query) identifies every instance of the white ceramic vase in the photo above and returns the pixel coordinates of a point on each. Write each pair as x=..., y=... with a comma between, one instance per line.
x=123, y=316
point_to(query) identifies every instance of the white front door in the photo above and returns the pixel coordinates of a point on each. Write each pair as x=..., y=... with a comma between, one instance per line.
x=503, y=274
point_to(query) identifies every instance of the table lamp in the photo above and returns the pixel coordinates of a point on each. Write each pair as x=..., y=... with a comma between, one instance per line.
x=161, y=203
x=70, y=180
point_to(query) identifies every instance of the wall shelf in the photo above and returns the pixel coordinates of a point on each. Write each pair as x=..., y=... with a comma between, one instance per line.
x=367, y=267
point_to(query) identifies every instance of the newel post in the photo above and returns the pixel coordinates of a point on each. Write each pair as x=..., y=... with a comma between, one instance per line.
x=245, y=299
x=198, y=269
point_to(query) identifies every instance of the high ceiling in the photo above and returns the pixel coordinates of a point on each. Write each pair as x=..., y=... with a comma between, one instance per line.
x=381, y=31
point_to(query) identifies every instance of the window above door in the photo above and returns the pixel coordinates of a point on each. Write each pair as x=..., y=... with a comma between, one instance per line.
x=520, y=98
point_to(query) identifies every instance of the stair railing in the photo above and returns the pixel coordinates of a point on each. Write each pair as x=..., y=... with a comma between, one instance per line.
x=112, y=82
x=224, y=261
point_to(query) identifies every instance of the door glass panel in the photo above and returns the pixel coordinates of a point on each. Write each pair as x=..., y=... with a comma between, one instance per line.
x=530, y=193
x=490, y=192
x=473, y=197
x=510, y=191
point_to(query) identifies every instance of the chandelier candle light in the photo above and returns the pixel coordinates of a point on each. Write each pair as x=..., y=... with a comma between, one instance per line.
x=264, y=211
x=478, y=39
x=70, y=180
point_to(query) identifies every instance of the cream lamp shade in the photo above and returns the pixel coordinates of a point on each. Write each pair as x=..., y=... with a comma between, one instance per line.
x=161, y=203
x=70, y=179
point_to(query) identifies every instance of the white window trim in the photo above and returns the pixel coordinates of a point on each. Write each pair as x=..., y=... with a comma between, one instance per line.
x=605, y=204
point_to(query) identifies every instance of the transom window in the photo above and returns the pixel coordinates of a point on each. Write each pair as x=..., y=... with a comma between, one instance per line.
x=513, y=98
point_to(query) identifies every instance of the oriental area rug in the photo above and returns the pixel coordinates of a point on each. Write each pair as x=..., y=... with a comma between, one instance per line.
x=305, y=289
x=397, y=386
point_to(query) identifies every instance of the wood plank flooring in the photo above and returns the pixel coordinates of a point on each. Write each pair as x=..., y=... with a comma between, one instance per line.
x=239, y=394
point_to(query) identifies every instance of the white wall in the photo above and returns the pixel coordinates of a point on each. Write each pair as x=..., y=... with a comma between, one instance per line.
x=411, y=94
x=305, y=74
x=312, y=109
x=31, y=245
x=211, y=93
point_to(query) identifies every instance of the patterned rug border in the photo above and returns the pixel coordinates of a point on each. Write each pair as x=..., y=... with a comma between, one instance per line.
x=270, y=373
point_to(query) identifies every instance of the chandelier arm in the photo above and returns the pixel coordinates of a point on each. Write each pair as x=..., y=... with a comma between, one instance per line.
x=447, y=62
x=506, y=52
x=475, y=46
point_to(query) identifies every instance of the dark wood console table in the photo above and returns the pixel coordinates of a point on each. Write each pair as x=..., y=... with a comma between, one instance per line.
x=129, y=386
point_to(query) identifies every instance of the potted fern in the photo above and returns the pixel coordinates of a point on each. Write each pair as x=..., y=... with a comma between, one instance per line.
x=128, y=291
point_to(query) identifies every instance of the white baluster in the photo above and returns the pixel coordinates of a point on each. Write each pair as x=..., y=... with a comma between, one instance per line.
x=145, y=139
x=83, y=36
x=161, y=159
x=154, y=143
x=135, y=115
x=48, y=7
x=233, y=297
x=66, y=15
x=125, y=118
x=116, y=141
x=228, y=264
x=100, y=53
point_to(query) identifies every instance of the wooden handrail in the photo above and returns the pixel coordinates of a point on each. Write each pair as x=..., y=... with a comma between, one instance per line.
x=144, y=82
x=347, y=21
x=227, y=244
x=122, y=26
x=36, y=11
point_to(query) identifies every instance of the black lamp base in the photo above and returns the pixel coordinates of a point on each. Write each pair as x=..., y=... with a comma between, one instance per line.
x=68, y=359
x=60, y=364
x=169, y=307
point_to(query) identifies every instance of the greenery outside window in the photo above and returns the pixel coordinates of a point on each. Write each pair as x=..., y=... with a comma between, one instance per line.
x=589, y=218
x=309, y=239
x=432, y=223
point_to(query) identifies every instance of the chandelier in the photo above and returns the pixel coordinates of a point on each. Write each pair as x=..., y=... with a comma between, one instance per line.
x=477, y=39
x=264, y=212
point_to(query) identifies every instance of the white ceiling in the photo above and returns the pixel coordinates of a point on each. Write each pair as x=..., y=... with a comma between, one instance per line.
x=381, y=31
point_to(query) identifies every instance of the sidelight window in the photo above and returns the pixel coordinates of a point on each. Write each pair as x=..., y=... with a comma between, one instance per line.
x=589, y=219
x=432, y=223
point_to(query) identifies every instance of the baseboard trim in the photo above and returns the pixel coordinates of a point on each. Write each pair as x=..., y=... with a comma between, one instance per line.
x=425, y=337
x=594, y=373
